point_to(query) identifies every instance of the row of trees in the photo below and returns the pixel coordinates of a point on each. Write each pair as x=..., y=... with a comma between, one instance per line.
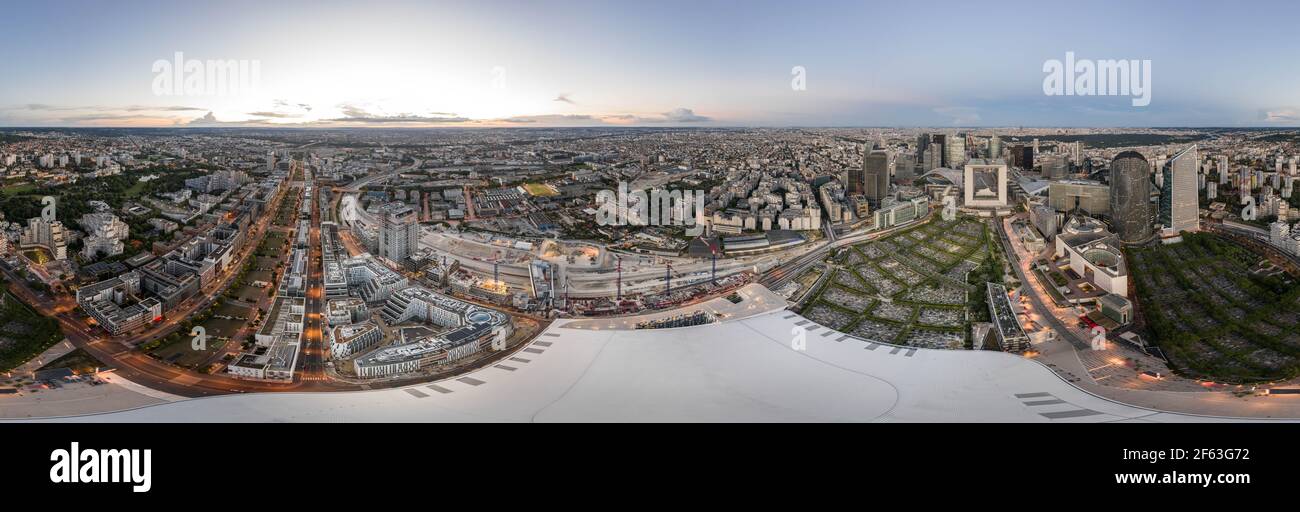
x=1175, y=326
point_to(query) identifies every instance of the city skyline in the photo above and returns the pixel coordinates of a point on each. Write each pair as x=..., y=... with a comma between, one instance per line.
x=405, y=64
x=994, y=220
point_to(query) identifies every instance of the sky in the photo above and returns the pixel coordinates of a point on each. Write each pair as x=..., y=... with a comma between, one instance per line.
x=664, y=63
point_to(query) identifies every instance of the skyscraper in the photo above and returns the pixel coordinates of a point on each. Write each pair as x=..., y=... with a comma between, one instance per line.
x=399, y=233
x=875, y=171
x=1022, y=156
x=995, y=147
x=1179, y=208
x=955, y=152
x=1130, y=196
x=854, y=178
x=1054, y=166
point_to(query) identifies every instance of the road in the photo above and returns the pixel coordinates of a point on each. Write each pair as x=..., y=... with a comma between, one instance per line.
x=1031, y=290
x=314, y=352
x=140, y=368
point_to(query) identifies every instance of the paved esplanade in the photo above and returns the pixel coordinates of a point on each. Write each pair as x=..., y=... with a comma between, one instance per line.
x=743, y=368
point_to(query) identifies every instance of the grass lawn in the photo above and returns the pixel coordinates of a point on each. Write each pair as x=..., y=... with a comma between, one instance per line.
x=135, y=190
x=540, y=189
x=233, y=310
x=24, y=334
x=180, y=352
x=19, y=189
x=38, y=254
x=259, y=275
x=221, y=327
x=250, y=293
x=78, y=361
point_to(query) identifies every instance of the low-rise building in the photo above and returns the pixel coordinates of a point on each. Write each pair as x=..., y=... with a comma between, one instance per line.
x=348, y=339
x=285, y=317
x=1094, y=253
x=117, y=305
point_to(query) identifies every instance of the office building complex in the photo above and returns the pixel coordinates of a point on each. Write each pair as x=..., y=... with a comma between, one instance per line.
x=116, y=304
x=1094, y=253
x=985, y=183
x=104, y=235
x=1022, y=157
x=1130, y=197
x=1090, y=197
x=399, y=232
x=1179, y=209
x=954, y=151
x=875, y=171
x=48, y=234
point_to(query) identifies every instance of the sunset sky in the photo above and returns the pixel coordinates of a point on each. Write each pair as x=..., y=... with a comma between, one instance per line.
x=698, y=63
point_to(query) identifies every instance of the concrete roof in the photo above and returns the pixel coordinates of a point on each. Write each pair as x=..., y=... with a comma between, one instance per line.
x=743, y=368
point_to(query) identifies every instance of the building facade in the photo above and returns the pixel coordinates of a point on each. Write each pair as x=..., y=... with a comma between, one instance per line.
x=1179, y=208
x=1130, y=197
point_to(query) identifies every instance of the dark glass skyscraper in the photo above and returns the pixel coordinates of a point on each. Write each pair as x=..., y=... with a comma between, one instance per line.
x=1130, y=196
x=875, y=170
x=855, y=179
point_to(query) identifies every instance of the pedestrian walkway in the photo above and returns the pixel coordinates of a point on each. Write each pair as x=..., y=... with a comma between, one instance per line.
x=60, y=349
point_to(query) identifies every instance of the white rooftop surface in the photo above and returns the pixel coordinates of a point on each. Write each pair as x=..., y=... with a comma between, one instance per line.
x=736, y=370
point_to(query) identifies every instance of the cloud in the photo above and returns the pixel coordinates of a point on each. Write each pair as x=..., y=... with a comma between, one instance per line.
x=105, y=117
x=619, y=118
x=277, y=115
x=677, y=115
x=684, y=115
x=355, y=114
x=351, y=110
x=282, y=109
x=400, y=119
x=960, y=115
x=170, y=108
x=210, y=119
x=285, y=112
x=44, y=107
x=551, y=119
x=1280, y=115
x=681, y=115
